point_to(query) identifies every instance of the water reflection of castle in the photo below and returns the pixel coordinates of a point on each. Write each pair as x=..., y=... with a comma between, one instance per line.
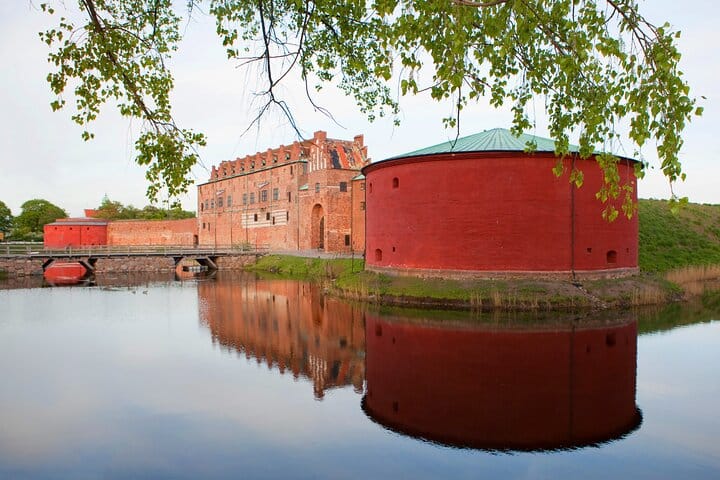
x=532, y=388
x=289, y=325
x=465, y=384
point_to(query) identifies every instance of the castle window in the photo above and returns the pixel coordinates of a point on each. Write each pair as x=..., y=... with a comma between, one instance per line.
x=291, y=169
x=287, y=155
x=203, y=226
x=370, y=188
x=347, y=240
x=287, y=216
x=207, y=204
x=220, y=202
x=289, y=197
x=252, y=198
x=274, y=158
x=273, y=220
x=343, y=186
x=611, y=256
x=229, y=200
x=244, y=198
x=201, y=206
x=263, y=196
x=276, y=194
x=362, y=205
x=255, y=217
x=317, y=188
x=252, y=164
x=267, y=216
x=396, y=182
x=263, y=162
x=212, y=204
x=378, y=255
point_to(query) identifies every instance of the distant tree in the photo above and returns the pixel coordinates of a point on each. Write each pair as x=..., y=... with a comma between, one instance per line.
x=177, y=213
x=151, y=212
x=114, y=210
x=34, y=215
x=590, y=65
x=6, y=219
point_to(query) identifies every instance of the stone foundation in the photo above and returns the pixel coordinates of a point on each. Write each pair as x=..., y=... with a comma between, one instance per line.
x=509, y=275
x=20, y=267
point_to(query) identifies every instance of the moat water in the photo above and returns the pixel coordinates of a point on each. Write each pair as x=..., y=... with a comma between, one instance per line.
x=239, y=377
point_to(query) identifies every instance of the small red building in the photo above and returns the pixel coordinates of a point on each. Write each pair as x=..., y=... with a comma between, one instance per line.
x=482, y=205
x=75, y=232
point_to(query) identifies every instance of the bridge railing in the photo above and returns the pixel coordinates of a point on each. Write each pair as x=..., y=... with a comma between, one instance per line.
x=20, y=248
x=13, y=249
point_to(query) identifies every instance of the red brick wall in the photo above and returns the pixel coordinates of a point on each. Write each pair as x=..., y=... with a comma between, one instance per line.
x=492, y=212
x=336, y=206
x=276, y=221
x=499, y=389
x=153, y=232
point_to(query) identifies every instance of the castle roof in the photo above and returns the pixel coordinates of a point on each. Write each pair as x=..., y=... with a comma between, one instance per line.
x=494, y=140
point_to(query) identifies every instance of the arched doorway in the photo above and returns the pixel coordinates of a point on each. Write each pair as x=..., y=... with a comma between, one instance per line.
x=318, y=227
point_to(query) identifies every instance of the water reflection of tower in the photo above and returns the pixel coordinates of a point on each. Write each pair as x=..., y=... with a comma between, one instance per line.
x=527, y=388
x=288, y=325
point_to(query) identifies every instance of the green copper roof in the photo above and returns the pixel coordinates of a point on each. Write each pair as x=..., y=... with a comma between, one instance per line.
x=495, y=140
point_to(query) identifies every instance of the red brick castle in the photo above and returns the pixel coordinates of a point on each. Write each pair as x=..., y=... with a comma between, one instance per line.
x=308, y=195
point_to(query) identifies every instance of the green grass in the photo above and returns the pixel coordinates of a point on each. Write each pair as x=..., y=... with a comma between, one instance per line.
x=307, y=268
x=669, y=240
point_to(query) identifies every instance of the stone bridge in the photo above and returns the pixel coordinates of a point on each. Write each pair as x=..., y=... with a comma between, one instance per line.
x=24, y=259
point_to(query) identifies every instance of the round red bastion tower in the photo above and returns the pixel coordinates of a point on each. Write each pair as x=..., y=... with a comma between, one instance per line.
x=483, y=206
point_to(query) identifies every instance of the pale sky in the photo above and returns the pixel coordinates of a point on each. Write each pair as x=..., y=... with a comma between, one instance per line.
x=43, y=155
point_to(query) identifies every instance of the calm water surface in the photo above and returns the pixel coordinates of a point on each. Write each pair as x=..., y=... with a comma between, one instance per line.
x=235, y=377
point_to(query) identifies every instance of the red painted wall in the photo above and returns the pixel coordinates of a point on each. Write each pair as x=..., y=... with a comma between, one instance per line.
x=502, y=389
x=492, y=212
x=68, y=233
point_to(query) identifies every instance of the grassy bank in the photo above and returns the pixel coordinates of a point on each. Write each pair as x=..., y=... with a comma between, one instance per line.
x=348, y=279
x=669, y=241
x=679, y=258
